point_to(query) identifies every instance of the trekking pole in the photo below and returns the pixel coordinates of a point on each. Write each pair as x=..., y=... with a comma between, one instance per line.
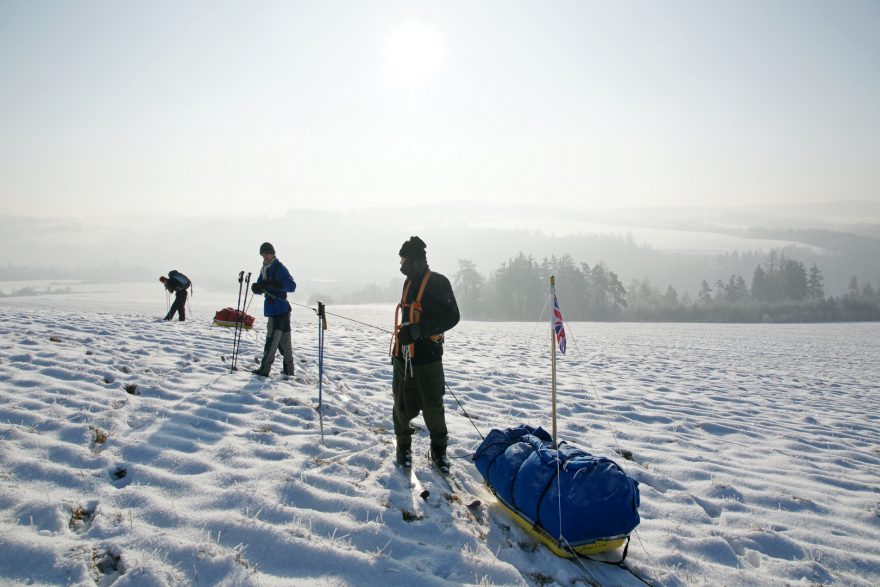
x=322, y=326
x=237, y=322
x=244, y=306
x=240, y=319
x=192, y=294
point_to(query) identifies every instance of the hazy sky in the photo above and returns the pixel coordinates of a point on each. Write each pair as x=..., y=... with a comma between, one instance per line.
x=109, y=107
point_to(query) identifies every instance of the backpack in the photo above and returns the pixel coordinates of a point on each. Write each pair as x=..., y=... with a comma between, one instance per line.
x=182, y=280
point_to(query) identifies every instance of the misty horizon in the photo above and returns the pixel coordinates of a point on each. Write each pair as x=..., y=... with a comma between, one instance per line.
x=337, y=253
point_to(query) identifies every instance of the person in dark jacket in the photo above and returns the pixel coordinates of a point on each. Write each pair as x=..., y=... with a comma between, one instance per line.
x=427, y=309
x=176, y=283
x=275, y=282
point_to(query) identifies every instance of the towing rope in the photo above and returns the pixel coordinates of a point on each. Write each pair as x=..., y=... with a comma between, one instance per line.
x=386, y=331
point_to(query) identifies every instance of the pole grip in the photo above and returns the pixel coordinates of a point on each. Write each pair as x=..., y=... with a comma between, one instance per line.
x=322, y=315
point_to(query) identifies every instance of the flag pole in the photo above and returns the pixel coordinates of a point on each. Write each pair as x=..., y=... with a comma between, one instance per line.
x=553, y=359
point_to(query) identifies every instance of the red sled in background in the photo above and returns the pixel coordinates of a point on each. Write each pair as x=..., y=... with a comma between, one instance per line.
x=230, y=317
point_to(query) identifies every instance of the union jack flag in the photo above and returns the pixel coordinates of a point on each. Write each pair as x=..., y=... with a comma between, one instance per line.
x=557, y=324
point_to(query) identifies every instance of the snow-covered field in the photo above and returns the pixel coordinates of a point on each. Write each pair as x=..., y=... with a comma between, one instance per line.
x=129, y=455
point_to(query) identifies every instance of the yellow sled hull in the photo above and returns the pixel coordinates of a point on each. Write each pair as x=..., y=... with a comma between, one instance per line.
x=231, y=324
x=562, y=550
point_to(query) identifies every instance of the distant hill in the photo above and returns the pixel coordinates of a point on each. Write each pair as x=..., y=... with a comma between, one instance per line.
x=340, y=252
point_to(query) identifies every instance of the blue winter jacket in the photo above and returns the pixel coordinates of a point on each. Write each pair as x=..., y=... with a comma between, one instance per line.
x=276, y=282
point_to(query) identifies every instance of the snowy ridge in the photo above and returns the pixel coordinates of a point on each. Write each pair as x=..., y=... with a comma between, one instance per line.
x=129, y=455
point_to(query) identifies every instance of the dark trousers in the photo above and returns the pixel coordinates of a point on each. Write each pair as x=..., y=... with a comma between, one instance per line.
x=178, y=306
x=422, y=391
x=277, y=339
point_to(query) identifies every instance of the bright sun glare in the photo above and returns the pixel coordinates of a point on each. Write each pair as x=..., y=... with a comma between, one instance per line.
x=413, y=52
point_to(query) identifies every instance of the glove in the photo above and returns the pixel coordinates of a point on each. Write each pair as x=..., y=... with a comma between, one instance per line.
x=408, y=334
x=257, y=288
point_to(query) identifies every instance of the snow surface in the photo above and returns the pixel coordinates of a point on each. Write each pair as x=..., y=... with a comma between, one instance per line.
x=129, y=455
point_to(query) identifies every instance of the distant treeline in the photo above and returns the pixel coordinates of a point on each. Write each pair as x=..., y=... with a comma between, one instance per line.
x=115, y=272
x=369, y=294
x=33, y=291
x=779, y=290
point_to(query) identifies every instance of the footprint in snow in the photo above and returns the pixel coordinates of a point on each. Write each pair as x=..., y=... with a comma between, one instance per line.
x=108, y=564
x=120, y=476
x=82, y=516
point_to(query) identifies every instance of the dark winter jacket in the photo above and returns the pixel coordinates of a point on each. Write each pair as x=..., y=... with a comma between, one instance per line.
x=439, y=314
x=276, y=281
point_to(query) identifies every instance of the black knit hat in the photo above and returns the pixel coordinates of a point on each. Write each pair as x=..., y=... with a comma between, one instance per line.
x=414, y=248
x=267, y=248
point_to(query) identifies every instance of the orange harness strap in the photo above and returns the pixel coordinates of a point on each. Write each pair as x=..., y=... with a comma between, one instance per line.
x=415, y=315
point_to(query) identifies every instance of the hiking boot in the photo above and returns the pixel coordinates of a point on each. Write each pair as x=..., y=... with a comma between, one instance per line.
x=404, y=458
x=258, y=372
x=439, y=459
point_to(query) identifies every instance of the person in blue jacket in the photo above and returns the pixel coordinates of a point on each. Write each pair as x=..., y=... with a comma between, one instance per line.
x=275, y=283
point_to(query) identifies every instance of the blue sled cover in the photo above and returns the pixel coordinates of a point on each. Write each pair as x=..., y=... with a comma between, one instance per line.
x=599, y=501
